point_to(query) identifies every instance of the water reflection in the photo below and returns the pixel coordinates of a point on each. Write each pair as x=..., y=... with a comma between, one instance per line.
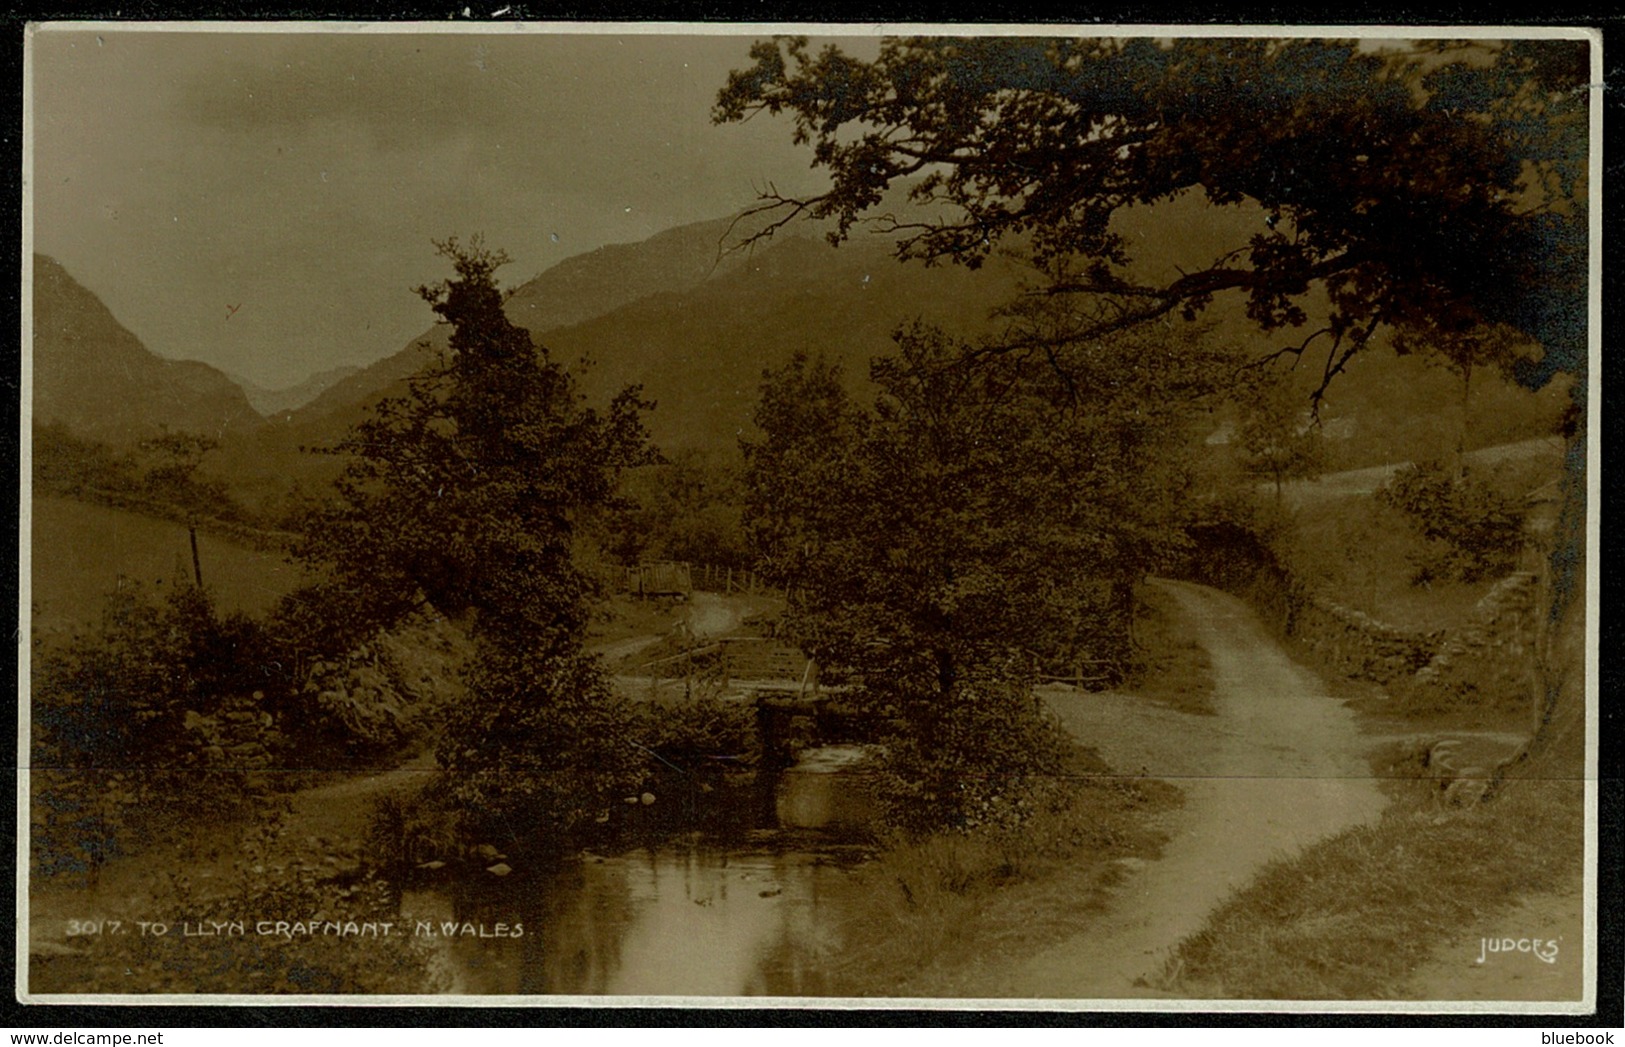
x=751, y=911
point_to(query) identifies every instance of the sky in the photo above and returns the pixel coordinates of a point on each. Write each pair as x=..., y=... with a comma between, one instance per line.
x=265, y=202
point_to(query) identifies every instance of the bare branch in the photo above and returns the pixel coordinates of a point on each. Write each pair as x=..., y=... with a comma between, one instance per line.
x=769, y=201
x=1334, y=369
x=1295, y=351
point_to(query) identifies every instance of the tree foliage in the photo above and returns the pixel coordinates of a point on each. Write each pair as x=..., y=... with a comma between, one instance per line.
x=172, y=477
x=1278, y=439
x=685, y=508
x=466, y=495
x=978, y=522
x=1438, y=182
x=1472, y=529
x=466, y=492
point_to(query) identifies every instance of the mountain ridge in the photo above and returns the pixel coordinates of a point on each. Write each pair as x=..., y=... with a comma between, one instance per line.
x=272, y=402
x=92, y=374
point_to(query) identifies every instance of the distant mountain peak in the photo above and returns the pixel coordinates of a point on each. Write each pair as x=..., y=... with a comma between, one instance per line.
x=272, y=402
x=96, y=377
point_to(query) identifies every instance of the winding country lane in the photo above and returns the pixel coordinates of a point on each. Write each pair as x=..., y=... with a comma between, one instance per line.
x=1279, y=767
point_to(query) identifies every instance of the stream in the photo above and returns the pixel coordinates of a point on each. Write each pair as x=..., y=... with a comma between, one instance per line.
x=749, y=906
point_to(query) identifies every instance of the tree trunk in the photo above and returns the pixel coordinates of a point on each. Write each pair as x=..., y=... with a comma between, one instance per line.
x=945, y=674
x=197, y=566
x=1557, y=668
x=1461, y=433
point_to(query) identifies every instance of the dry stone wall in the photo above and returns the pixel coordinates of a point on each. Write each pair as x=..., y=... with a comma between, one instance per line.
x=1360, y=646
x=1483, y=662
x=239, y=736
x=375, y=695
x=1486, y=661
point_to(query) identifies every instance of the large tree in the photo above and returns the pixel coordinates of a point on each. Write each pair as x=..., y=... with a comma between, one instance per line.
x=1439, y=183
x=1432, y=190
x=981, y=520
x=465, y=495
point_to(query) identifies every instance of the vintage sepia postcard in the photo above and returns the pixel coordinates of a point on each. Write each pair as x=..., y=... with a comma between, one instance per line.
x=1031, y=516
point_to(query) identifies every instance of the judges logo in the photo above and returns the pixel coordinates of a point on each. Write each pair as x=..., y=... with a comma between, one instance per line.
x=1543, y=950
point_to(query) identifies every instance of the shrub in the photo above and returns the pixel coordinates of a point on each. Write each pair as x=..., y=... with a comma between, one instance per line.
x=118, y=742
x=1472, y=530
x=406, y=832
x=983, y=758
x=702, y=726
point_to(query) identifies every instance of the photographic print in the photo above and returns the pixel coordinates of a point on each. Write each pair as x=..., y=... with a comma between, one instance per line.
x=1002, y=516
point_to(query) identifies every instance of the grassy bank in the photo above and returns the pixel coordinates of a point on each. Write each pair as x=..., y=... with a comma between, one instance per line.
x=82, y=551
x=933, y=911
x=1355, y=915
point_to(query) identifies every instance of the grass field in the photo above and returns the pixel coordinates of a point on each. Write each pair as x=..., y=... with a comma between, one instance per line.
x=81, y=551
x=1365, y=554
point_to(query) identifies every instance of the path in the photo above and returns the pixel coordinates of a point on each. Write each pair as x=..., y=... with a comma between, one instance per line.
x=1351, y=482
x=1278, y=768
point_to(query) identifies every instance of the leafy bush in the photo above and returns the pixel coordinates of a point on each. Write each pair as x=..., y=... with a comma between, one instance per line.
x=271, y=882
x=120, y=694
x=987, y=757
x=1472, y=530
x=703, y=726
x=405, y=832
x=541, y=748
x=117, y=744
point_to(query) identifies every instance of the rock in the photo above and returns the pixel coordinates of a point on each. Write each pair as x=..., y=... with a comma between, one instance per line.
x=486, y=851
x=647, y=798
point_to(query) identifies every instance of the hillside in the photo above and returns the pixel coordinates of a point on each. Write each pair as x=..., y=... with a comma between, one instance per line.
x=697, y=327
x=93, y=375
x=576, y=289
x=696, y=330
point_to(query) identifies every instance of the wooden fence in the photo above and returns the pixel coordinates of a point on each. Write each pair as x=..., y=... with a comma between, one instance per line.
x=713, y=579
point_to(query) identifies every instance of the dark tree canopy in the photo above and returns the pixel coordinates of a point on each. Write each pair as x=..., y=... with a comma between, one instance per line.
x=467, y=492
x=981, y=520
x=1436, y=181
x=467, y=495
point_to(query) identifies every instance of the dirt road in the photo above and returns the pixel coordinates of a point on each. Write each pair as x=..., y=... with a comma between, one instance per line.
x=1279, y=767
x=1352, y=482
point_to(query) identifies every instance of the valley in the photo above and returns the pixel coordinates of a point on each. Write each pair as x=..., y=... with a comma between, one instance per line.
x=958, y=520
